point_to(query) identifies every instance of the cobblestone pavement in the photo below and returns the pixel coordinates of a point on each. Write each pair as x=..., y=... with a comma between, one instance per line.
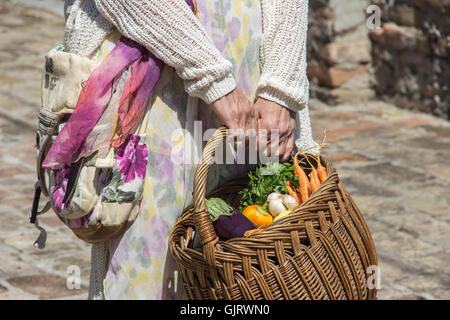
x=395, y=163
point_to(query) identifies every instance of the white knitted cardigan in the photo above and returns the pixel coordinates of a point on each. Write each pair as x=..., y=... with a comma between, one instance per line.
x=170, y=30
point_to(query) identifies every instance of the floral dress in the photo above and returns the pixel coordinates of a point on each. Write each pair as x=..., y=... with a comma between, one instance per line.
x=140, y=265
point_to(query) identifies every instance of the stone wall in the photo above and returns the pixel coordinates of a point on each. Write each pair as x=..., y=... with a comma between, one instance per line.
x=404, y=60
x=411, y=52
x=339, y=51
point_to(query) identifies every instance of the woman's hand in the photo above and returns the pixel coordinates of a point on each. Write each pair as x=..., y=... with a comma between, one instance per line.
x=240, y=115
x=237, y=113
x=272, y=116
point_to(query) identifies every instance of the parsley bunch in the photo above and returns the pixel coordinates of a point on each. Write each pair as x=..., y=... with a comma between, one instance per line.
x=267, y=179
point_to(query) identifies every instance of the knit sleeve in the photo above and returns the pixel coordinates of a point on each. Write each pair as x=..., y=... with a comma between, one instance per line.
x=283, y=53
x=170, y=30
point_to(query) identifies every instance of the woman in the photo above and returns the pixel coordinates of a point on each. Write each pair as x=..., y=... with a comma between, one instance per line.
x=219, y=59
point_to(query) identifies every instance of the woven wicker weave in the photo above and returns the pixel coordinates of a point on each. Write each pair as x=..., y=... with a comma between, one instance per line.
x=322, y=250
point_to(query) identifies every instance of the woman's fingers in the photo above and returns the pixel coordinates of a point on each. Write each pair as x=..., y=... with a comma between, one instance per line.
x=273, y=124
x=247, y=114
x=284, y=132
x=276, y=128
x=291, y=141
x=236, y=112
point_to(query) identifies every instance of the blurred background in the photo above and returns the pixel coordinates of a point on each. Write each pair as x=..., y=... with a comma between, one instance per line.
x=379, y=74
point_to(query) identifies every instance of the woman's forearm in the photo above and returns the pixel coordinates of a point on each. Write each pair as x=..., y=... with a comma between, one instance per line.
x=283, y=53
x=170, y=30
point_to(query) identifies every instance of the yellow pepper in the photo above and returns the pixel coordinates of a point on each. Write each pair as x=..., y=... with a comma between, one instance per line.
x=258, y=215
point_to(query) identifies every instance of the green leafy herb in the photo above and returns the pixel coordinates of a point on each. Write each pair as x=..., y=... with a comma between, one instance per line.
x=265, y=180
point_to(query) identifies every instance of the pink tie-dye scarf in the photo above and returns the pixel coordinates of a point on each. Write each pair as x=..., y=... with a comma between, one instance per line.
x=70, y=144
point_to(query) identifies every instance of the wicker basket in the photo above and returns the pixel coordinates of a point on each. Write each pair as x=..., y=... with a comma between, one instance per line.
x=322, y=250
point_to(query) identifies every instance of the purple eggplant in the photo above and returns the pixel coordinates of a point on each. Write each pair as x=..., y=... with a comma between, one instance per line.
x=228, y=222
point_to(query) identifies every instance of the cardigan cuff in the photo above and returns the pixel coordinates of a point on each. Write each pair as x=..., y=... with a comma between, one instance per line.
x=275, y=95
x=217, y=89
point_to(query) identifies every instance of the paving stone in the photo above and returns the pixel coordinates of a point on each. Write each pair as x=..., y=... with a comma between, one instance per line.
x=389, y=292
x=83, y=296
x=374, y=206
x=440, y=293
x=433, y=200
x=59, y=243
x=408, y=297
x=10, y=219
x=81, y=261
x=407, y=247
x=16, y=296
x=412, y=122
x=431, y=144
x=439, y=131
x=438, y=170
x=416, y=223
x=442, y=238
x=362, y=187
x=391, y=270
x=343, y=116
x=437, y=261
x=51, y=220
x=3, y=289
x=423, y=283
x=44, y=286
x=393, y=174
x=12, y=263
x=347, y=157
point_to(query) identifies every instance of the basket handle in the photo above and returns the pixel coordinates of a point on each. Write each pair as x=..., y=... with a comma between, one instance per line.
x=202, y=220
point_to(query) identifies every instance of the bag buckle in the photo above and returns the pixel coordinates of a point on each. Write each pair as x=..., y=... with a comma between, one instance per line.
x=42, y=238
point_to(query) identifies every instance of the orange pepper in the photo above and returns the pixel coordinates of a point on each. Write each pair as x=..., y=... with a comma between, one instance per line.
x=258, y=215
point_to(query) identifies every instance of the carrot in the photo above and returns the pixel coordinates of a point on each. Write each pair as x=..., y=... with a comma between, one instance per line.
x=321, y=172
x=314, y=180
x=291, y=190
x=313, y=177
x=320, y=169
x=305, y=188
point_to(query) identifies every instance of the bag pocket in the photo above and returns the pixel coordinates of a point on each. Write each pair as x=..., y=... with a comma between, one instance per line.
x=62, y=80
x=104, y=201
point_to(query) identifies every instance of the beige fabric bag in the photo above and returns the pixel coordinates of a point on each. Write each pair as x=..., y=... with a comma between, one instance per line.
x=92, y=198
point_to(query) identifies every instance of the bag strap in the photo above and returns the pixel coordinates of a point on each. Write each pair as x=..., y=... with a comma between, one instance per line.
x=74, y=175
x=41, y=240
x=59, y=118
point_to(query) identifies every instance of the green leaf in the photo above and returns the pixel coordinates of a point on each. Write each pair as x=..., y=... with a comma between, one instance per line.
x=262, y=210
x=218, y=207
